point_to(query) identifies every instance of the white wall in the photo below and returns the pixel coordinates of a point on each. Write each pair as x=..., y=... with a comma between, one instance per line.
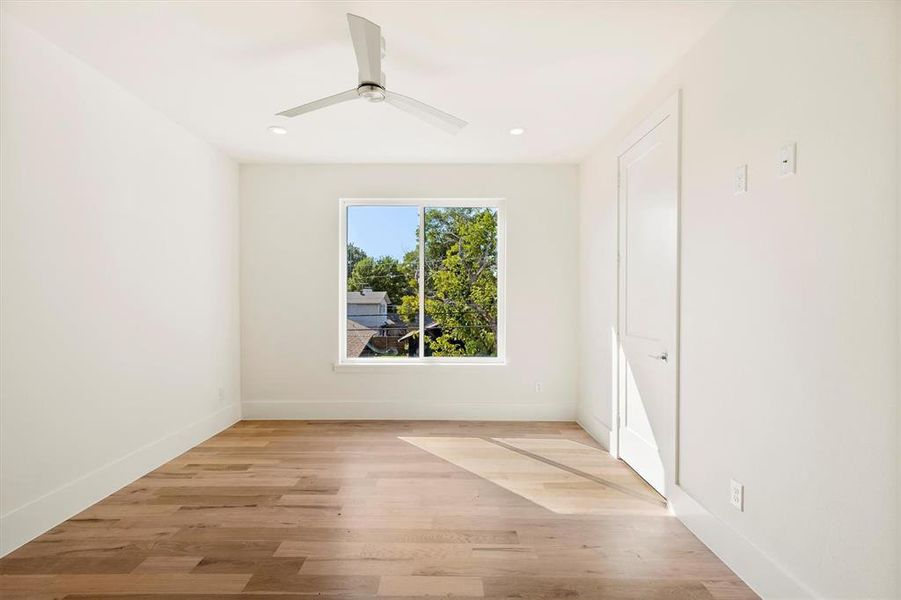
x=289, y=287
x=118, y=287
x=789, y=293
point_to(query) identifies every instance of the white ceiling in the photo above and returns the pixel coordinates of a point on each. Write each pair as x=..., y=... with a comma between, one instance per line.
x=564, y=71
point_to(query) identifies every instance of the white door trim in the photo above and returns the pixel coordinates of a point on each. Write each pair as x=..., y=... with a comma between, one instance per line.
x=671, y=108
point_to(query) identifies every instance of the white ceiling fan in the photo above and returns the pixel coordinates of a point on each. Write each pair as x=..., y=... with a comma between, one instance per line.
x=369, y=46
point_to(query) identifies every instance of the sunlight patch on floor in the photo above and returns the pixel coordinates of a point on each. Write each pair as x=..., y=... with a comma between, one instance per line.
x=592, y=461
x=555, y=489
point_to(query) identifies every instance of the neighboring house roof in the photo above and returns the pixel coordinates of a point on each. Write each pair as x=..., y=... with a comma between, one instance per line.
x=367, y=298
x=358, y=335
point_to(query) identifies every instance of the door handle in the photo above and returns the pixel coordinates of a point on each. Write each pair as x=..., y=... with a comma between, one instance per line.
x=662, y=356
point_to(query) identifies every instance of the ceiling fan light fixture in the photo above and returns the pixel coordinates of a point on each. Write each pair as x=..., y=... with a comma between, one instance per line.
x=277, y=130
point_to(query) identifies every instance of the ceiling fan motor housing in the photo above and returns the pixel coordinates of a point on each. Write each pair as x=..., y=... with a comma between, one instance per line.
x=371, y=91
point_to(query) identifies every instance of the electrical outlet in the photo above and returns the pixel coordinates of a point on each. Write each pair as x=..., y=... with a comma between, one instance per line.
x=787, y=156
x=741, y=179
x=737, y=495
x=538, y=388
x=221, y=397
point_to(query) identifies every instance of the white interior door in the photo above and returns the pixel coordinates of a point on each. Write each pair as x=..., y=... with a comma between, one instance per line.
x=648, y=298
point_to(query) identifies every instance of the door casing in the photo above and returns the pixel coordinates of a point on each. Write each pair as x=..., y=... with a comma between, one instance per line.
x=671, y=108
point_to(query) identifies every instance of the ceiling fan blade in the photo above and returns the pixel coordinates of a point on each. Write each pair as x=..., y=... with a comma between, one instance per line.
x=368, y=46
x=427, y=113
x=322, y=103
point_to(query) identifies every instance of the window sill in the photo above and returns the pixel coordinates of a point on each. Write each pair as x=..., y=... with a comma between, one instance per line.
x=366, y=367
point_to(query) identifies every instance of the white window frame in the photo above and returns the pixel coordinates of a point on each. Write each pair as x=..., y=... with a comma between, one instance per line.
x=499, y=204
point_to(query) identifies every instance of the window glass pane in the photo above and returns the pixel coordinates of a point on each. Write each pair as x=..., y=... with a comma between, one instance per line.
x=382, y=282
x=461, y=281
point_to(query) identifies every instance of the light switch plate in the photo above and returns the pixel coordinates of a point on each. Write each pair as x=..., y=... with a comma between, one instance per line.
x=737, y=495
x=741, y=179
x=787, y=159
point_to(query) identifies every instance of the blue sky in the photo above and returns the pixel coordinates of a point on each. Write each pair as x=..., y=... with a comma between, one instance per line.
x=383, y=230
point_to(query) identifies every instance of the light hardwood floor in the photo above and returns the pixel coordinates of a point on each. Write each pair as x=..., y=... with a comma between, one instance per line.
x=278, y=510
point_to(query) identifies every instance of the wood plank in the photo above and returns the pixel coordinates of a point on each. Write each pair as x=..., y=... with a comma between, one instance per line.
x=545, y=588
x=70, y=564
x=423, y=585
x=347, y=535
x=168, y=564
x=168, y=583
x=313, y=584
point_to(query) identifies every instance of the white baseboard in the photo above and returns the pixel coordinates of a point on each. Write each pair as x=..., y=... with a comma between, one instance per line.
x=760, y=572
x=380, y=410
x=31, y=520
x=597, y=430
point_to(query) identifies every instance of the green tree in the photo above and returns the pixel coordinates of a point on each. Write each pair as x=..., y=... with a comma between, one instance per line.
x=385, y=274
x=460, y=281
x=354, y=255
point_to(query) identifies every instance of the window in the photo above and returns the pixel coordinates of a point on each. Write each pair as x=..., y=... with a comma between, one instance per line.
x=421, y=281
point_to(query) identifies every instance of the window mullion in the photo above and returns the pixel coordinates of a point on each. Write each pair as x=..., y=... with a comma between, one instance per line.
x=421, y=281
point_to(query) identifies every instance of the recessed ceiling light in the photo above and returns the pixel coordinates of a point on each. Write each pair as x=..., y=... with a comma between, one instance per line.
x=278, y=130
x=517, y=131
